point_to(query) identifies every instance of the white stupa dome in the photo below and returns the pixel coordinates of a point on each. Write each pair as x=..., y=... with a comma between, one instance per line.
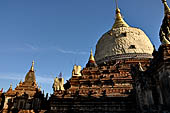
x=123, y=41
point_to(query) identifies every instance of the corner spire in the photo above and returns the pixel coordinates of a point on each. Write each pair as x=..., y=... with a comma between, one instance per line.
x=166, y=7
x=91, y=62
x=91, y=58
x=119, y=22
x=10, y=88
x=32, y=67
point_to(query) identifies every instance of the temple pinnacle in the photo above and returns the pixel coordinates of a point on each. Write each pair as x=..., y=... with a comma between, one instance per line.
x=91, y=62
x=91, y=58
x=119, y=22
x=32, y=67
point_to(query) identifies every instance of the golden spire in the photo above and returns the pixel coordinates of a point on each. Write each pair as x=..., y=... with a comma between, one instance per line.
x=91, y=58
x=32, y=67
x=166, y=7
x=91, y=62
x=119, y=22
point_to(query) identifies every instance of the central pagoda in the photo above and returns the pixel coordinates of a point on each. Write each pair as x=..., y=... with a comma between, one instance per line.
x=105, y=85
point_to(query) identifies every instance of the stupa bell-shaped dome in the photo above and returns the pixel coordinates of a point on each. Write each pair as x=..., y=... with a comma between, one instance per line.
x=123, y=41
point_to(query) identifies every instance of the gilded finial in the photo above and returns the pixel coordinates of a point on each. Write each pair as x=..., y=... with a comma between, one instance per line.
x=91, y=56
x=32, y=67
x=91, y=62
x=119, y=22
x=166, y=7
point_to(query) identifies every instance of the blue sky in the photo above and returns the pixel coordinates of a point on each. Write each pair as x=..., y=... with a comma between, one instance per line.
x=59, y=33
